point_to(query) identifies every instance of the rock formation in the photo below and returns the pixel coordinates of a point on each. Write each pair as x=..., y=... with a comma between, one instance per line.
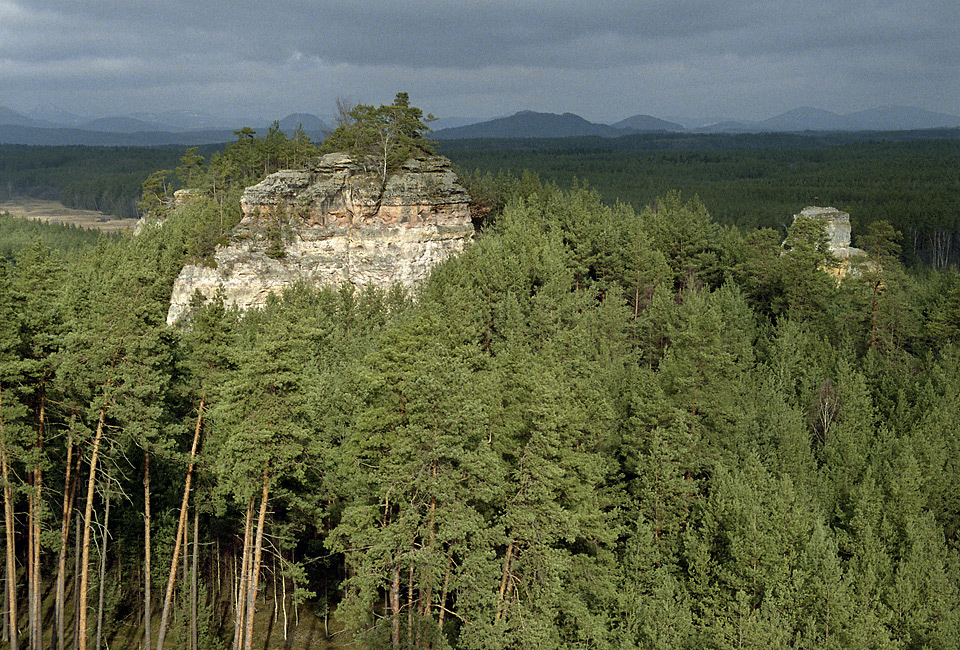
x=332, y=224
x=837, y=226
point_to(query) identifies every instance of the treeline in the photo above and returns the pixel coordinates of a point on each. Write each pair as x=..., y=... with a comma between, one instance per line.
x=761, y=180
x=18, y=234
x=597, y=427
x=110, y=179
x=107, y=179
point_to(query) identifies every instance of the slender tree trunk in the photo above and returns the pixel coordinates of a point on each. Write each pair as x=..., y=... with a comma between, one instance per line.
x=31, y=594
x=443, y=592
x=283, y=592
x=395, y=607
x=77, y=535
x=81, y=596
x=193, y=578
x=5, y=636
x=103, y=563
x=255, y=572
x=186, y=553
x=11, y=563
x=504, y=580
x=35, y=504
x=410, y=605
x=147, y=587
x=276, y=601
x=218, y=584
x=69, y=494
x=241, y=592
x=181, y=524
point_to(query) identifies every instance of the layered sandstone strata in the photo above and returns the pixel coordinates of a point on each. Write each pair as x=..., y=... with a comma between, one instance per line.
x=331, y=224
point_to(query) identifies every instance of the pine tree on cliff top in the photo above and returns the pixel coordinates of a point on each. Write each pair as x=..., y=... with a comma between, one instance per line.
x=381, y=138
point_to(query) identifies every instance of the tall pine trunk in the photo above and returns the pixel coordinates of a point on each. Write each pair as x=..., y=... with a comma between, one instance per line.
x=241, y=592
x=81, y=596
x=31, y=594
x=172, y=578
x=77, y=535
x=504, y=583
x=395, y=607
x=34, y=515
x=11, y=563
x=255, y=570
x=69, y=494
x=147, y=587
x=103, y=563
x=194, y=637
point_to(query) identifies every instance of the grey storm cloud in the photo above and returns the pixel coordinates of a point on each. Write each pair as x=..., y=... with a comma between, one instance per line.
x=604, y=60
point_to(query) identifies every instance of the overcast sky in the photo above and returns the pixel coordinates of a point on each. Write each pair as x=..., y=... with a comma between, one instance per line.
x=604, y=60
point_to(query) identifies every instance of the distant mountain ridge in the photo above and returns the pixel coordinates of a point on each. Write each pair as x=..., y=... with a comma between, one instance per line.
x=140, y=129
x=52, y=126
x=528, y=124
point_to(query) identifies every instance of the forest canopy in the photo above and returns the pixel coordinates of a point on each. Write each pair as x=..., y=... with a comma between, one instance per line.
x=600, y=426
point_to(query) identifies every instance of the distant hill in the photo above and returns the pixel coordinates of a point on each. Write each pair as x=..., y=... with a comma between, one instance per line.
x=804, y=119
x=120, y=124
x=184, y=120
x=887, y=118
x=49, y=125
x=452, y=122
x=31, y=135
x=647, y=124
x=8, y=116
x=312, y=125
x=899, y=118
x=529, y=124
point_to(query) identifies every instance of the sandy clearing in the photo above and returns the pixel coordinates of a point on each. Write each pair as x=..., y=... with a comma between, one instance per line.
x=56, y=212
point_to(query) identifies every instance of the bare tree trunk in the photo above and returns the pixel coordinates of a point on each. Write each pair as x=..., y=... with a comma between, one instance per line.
x=283, y=592
x=103, y=563
x=37, y=632
x=11, y=563
x=257, y=553
x=410, y=605
x=504, y=580
x=30, y=585
x=241, y=592
x=5, y=635
x=69, y=494
x=395, y=607
x=77, y=535
x=172, y=579
x=193, y=578
x=186, y=553
x=81, y=597
x=147, y=587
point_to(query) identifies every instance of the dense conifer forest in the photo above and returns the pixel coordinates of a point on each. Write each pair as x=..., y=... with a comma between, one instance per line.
x=605, y=425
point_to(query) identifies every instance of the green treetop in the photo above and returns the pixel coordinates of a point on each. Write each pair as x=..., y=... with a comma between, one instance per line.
x=381, y=138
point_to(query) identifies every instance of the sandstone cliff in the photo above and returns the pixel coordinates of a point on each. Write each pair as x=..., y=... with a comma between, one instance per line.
x=837, y=226
x=333, y=224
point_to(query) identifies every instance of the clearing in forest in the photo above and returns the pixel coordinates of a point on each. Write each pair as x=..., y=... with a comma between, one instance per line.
x=55, y=212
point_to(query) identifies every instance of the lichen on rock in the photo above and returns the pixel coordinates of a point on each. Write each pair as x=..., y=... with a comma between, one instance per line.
x=334, y=223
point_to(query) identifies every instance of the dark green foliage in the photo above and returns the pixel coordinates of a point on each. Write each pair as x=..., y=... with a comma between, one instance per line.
x=17, y=234
x=383, y=137
x=594, y=428
x=107, y=179
x=760, y=180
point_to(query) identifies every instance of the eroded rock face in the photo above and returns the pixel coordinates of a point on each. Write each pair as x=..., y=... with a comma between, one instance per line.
x=330, y=225
x=837, y=226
